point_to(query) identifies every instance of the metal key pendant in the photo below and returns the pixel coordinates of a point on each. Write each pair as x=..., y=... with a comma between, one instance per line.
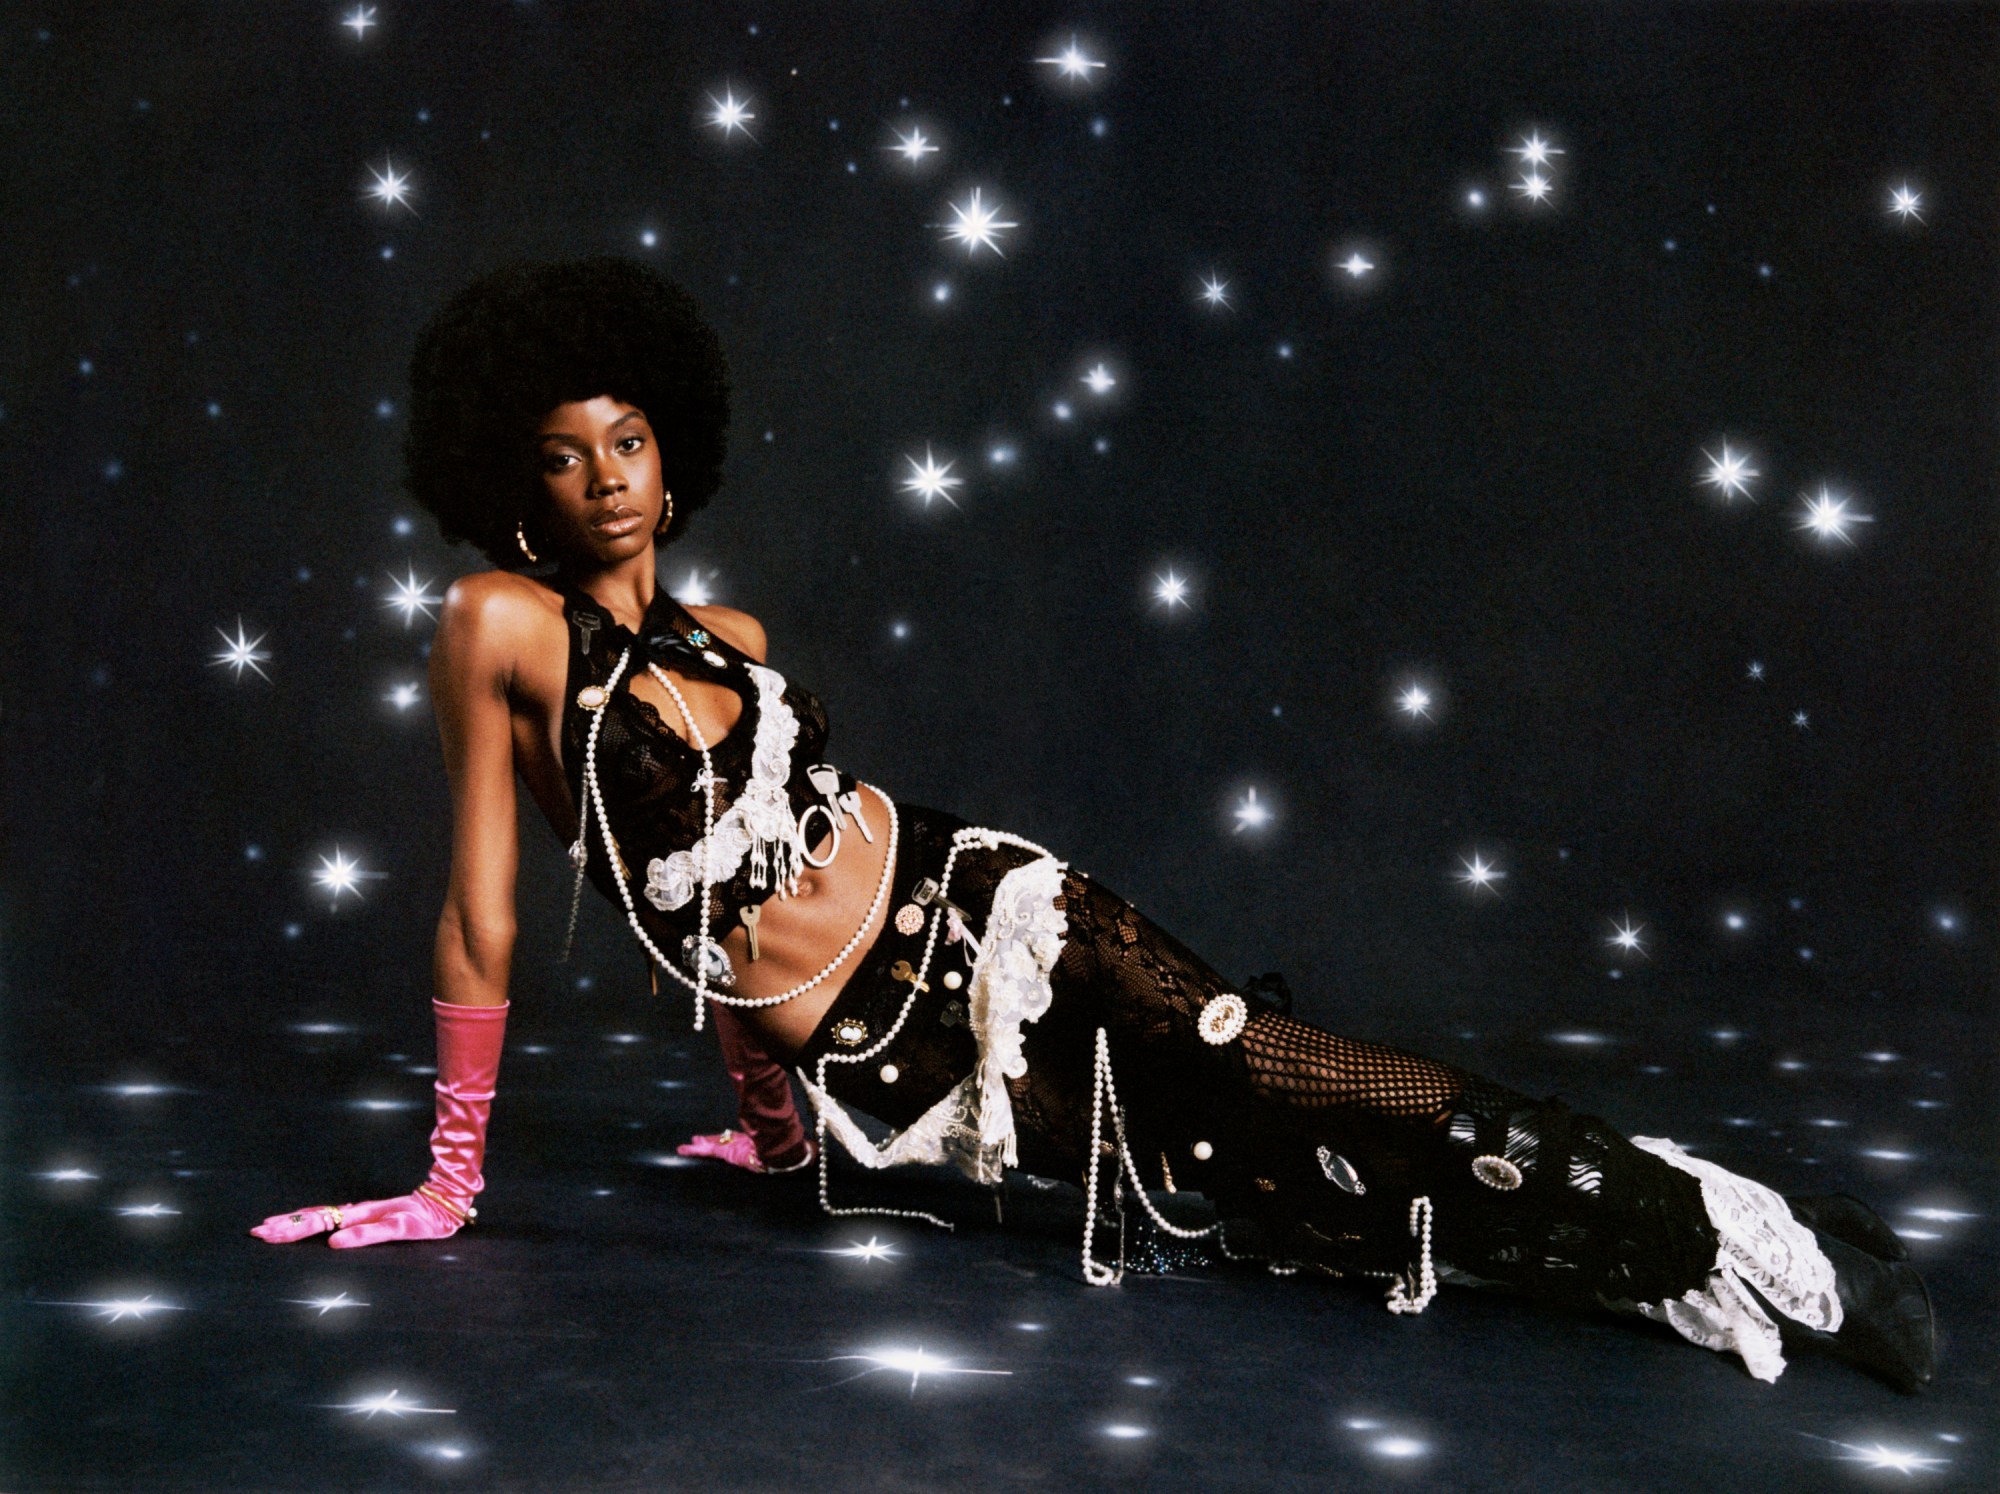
x=901, y=971
x=750, y=914
x=851, y=802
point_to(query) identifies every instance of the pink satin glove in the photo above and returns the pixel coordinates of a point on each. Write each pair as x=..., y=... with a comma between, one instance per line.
x=411, y=1217
x=737, y=1148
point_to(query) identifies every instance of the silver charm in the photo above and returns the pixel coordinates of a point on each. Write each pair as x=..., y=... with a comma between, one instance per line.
x=714, y=966
x=1340, y=1172
x=851, y=802
x=1223, y=1019
x=1497, y=1172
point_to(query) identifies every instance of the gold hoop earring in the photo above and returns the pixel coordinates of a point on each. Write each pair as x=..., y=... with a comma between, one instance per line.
x=521, y=539
x=666, y=519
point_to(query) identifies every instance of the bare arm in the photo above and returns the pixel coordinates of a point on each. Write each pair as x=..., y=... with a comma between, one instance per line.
x=471, y=683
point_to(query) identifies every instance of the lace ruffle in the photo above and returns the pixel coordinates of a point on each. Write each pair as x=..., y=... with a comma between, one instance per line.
x=973, y=1126
x=759, y=819
x=1762, y=1246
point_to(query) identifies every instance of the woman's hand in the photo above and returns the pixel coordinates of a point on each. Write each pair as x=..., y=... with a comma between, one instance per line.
x=414, y=1216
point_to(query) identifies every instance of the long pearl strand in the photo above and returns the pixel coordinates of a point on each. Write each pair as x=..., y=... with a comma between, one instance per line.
x=594, y=796
x=969, y=836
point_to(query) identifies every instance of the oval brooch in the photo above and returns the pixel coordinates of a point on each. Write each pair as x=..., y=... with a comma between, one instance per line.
x=1497, y=1172
x=850, y=1032
x=592, y=697
x=1223, y=1019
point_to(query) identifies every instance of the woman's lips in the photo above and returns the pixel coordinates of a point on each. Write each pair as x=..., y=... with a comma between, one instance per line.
x=613, y=525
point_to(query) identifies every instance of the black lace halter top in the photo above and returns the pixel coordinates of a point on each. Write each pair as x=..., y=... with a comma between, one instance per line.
x=648, y=773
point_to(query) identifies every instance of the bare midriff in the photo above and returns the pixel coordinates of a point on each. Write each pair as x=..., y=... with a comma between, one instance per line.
x=797, y=935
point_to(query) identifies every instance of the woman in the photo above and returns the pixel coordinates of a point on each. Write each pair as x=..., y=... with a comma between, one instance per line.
x=996, y=1006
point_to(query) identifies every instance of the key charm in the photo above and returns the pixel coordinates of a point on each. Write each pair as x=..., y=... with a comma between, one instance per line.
x=750, y=914
x=851, y=802
x=901, y=971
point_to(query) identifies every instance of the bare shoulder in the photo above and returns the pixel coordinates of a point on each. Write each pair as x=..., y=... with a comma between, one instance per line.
x=491, y=619
x=739, y=628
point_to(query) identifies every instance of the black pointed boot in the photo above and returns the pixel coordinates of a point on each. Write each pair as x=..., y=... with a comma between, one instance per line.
x=1886, y=1326
x=1846, y=1217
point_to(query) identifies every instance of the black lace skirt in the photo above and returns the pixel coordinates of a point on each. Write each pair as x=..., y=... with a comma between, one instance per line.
x=1322, y=1141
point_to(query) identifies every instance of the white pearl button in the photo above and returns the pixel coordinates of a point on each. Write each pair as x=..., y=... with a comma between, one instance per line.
x=953, y=980
x=1203, y=1151
x=890, y=1073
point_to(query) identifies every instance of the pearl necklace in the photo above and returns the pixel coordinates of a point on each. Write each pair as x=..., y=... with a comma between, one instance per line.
x=594, y=797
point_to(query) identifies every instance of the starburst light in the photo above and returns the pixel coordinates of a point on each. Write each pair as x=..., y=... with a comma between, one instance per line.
x=1356, y=265
x=1415, y=702
x=411, y=596
x=1072, y=62
x=389, y=1403
x=1829, y=518
x=916, y=1363
x=1099, y=380
x=391, y=189
x=1215, y=290
x=695, y=591
x=402, y=695
x=1626, y=936
x=1906, y=203
x=730, y=113
x=1170, y=589
x=1729, y=474
x=1534, y=150
x=341, y=873
x=912, y=147
x=325, y=1305
x=977, y=225
x=1251, y=812
x=242, y=652
x=116, y=1309
x=929, y=481
x=362, y=18
x=1479, y=874
x=1534, y=186
x=872, y=1250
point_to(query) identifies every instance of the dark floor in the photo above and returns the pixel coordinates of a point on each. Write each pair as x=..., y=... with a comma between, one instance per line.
x=619, y=1322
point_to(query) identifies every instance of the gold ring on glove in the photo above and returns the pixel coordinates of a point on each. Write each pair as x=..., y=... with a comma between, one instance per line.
x=464, y=1214
x=332, y=1212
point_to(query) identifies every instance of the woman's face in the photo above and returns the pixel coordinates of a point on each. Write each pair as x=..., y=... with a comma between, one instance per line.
x=600, y=472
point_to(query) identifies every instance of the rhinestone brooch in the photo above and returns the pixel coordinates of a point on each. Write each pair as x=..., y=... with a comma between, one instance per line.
x=850, y=1032
x=1497, y=1172
x=592, y=697
x=909, y=919
x=1222, y=1020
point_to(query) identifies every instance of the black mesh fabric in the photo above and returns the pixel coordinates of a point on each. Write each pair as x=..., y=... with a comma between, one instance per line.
x=647, y=770
x=1247, y=1122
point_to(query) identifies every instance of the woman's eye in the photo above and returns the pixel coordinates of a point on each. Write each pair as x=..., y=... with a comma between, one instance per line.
x=636, y=441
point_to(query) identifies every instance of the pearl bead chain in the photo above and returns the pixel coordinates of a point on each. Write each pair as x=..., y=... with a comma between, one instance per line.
x=1103, y=1095
x=1425, y=1275
x=594, y=796
x=960, y=840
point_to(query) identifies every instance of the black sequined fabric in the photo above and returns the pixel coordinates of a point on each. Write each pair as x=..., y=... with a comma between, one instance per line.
x=1266, y=1123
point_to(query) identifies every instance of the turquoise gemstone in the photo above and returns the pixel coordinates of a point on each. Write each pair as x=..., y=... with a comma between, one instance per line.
x=699, y=638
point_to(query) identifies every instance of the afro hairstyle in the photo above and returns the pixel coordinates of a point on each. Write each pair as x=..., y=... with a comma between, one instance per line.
x=509, y=348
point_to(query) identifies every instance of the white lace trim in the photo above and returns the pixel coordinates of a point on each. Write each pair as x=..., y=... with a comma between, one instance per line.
x=759, y=823
x=1761, y=1244
x=973, y=1126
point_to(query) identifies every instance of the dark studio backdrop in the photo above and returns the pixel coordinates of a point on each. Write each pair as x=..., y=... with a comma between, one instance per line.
x=1474, y=466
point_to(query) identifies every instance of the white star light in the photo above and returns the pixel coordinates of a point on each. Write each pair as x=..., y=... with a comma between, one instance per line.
x=1756, y=669
x=1479, y=874
x=1356, y=265
x=913, y=147
x=402, y=696
x=1625, y=936
x=1415, y=702
x=1729, y=474
x=873, y=1250
x=147, y=1211
x=1251, y=812
x=1071, y=62
x=1828, y=517
x=695, y=591
x=1099, y=380
x=68, y=1175
x=916, y=1363
x=976, y=225
x=325, y=1305
x=341, y=873
x=1899, y=1460
x=1215, y=290
x=1534, y=150
x=731, y=113
x=411, y=596
x=389, y=1403
x=361, y=20
x=119, y=1308
x=1170, y=589
x=1535, y=187
x=1801, y=720
x=242, y=652
x=930, y=481
x=390, y=189
x=1906, y=203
